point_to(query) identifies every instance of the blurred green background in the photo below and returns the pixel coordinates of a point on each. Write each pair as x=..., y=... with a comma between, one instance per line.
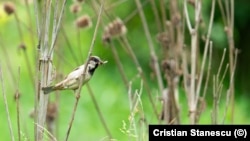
x=107, y=85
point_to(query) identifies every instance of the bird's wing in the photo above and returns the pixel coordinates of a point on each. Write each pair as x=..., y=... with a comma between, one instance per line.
x=73, y=78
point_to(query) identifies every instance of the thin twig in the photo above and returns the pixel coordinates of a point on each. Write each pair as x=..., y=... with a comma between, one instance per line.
x=194, y=37
x=83, y=74
x=151, y=46
x=8, y=62
x=206, y=50
x=221, y=63
x=163, y=13
x=207, y=79
x=17, y=96
x=45, y=71
x=115, y=4
x=222, y=11
x=119, y=64
x=133, y=13
x=208, y=72
x=71, y=50
x=50, y=135
x=6, y=106
x=223, y=76
x=156, y=15
x=141, y=73
x=30, y=25
x=99, y=111
x=56, y=28
x=215, y=106
x=187, y=17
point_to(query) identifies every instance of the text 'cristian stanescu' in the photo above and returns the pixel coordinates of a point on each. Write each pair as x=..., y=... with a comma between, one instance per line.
x=191, y=132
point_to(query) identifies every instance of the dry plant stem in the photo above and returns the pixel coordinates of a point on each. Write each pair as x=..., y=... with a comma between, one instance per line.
x=119, y=64
x=73, y=114
x=151, y=46
x=208, y=73
x=50, y=135
x=228, y=97
x=176, y=31
x=157, y=18
x=219, y=84
x=56, y=24
x=222, y=79
x=131, y=107
x=194, y=34
x=231, y=57
x=78, y=91
x=38, y=84
x=221, y=63
x=46, y=54
x=134, y=102
x=8, y=62
x=184, y=67
x=78, y=34
x=45, y=71
x=222, y=11
x=163, y=13
x=25, y=52
x=114, y=5
x=6, y=105
x=29, y=67
x=228, y=18
x=99, y=111
x=69, y=46
x=207, y=79
x=171, y=110
x=18, y=27
x=141, y=73
x=30, y=24
x=206, y=50
x=215, y=99
x=17, y=95
x=134, y=13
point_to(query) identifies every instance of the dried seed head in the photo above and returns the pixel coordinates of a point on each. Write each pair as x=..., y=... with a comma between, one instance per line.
x=170, y=67
x=52, y=111
x=9, y=7
x=83, y=22
x=176, y=20
x=163, y=38
x=80, y=1
x=22, y=46
x=114, y=29
x=75, y=8
x=32, y=113
x=192, y=2
x=17, y=95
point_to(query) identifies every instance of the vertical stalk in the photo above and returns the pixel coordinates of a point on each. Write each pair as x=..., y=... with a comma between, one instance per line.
x=194, y=37
x=151, y=46
x=6, y=105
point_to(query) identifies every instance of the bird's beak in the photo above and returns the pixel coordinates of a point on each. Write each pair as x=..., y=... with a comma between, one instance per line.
x=103, y=62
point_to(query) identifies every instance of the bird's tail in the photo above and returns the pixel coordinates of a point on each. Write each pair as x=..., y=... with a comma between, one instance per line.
x=47, y=90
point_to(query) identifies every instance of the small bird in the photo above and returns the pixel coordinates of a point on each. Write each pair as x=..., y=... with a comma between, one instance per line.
x=72, y=81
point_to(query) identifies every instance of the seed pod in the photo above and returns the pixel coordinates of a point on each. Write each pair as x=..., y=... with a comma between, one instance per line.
x=9, y=7
x=114, y=29
x=83, y=22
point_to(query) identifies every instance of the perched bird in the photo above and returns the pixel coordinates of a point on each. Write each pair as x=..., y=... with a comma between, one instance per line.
x=72, y=81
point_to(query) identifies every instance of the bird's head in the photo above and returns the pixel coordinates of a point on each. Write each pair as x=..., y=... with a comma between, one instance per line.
x=96, y=61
